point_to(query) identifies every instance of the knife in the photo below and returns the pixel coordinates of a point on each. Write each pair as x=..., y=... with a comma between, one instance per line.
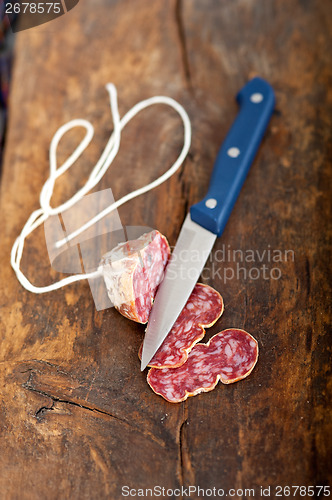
x=207, y=219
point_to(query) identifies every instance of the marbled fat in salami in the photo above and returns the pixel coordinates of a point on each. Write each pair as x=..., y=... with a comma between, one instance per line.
x=132, y=272
x=229, y=356
x=203, y=308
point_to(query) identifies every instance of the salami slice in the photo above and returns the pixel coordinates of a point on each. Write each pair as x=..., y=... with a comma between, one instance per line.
x=132, y=272
x=203, y=308
x=229, y=356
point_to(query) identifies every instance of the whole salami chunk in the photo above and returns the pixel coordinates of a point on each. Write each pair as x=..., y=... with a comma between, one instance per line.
x=203, y=308
x=229, y=356
x=132, y=272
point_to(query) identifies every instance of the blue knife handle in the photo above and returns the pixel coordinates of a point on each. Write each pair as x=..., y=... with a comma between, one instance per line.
x=256, y=100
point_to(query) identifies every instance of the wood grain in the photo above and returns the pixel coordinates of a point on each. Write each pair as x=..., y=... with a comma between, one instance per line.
x=78, y=419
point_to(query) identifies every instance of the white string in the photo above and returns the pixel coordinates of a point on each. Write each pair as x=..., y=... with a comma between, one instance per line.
x=40, y=215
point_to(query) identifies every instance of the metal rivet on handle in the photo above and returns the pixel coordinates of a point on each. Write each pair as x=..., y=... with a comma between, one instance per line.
x=257, y=97
x=211, y=203
x=233, y=152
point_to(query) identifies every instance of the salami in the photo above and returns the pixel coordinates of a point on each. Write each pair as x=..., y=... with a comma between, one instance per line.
x=132, y=272
x=202, y=310
x=229, y=356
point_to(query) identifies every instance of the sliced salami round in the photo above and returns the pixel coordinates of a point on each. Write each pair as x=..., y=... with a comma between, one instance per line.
x=132, y=272
x=229, y=356
x=203, y=308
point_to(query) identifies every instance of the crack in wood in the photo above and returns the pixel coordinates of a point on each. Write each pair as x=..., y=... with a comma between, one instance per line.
x=184, y=189
x=183, y=43
x=29, y=386
x=39, y=413
x=184, y=470
x=181, y=458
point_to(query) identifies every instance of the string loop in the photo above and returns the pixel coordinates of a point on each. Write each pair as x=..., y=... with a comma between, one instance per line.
x=40, y=215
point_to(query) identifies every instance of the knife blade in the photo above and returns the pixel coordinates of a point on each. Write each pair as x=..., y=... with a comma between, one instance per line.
x=207, y=218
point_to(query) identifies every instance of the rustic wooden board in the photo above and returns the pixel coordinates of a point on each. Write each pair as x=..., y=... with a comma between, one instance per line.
x=77, y=417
